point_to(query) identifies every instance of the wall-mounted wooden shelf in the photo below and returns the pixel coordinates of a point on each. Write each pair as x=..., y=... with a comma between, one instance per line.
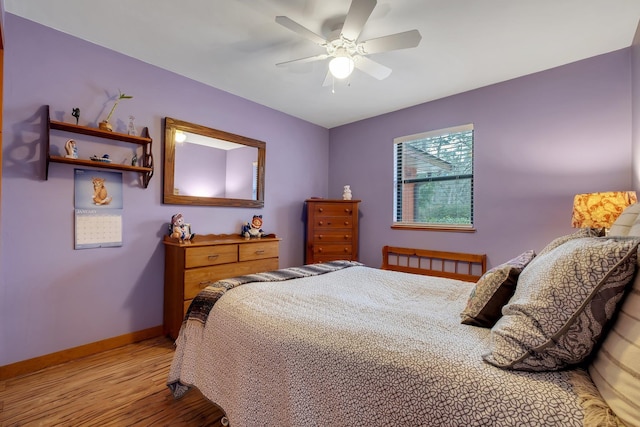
x=146, y=160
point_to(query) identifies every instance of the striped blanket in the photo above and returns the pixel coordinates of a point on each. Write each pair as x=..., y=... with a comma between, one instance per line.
x=205, y=300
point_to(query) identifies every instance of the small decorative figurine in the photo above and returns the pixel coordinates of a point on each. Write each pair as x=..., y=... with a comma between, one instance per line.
x=179, y=229
x=105, y=125
x=71, y=149
x=346, y=194
x=76, y=113
x=134, y=160
x=131, y=127
x=253, y=228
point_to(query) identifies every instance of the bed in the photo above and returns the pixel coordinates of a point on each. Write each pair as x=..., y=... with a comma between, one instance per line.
x=344, y=344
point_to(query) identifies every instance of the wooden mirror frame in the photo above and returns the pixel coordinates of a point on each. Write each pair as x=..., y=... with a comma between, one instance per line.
x=170, y=128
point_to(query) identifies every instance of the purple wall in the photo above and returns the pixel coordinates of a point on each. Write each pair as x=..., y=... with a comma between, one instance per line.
x=53, y=297
x=539, y=140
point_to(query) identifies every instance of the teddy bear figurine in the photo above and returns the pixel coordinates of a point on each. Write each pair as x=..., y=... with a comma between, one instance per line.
x=253, y=228
x=179, y=229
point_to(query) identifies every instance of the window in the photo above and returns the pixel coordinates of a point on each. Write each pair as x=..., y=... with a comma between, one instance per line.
x=433, y=179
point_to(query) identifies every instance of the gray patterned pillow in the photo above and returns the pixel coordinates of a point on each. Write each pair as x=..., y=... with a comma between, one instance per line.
x=583, y=232
x=562, y=303
x=493, y=291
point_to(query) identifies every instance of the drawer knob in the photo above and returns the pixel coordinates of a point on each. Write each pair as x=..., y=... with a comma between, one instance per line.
x=205, y=283
x=346, y=223
x=212, y=257
x=320, y=210
x=320, y=237
x=259, y=251
x=347, y=210
x=320, y=250
x=346, y=250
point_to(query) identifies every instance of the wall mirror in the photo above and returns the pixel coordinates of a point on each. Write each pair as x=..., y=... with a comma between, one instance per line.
x=210, y=167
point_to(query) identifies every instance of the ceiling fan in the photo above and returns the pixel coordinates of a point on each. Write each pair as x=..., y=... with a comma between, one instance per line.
x=343, y=46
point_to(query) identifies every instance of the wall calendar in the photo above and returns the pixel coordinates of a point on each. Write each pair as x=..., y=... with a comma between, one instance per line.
x=98, y=209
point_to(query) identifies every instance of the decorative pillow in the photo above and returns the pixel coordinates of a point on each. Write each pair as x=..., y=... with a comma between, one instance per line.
x=627, y=223
x=583, y=232
x=616, y=366
x=562, y=303
x=615, y=369
x=493, y=290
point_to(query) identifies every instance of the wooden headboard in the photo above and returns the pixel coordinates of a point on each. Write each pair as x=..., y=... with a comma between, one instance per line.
x=452, y=265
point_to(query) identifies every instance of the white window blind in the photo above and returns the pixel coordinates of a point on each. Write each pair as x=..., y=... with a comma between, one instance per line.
x=433, y=178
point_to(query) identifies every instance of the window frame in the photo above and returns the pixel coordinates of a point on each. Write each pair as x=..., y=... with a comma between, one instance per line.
x=397, y=181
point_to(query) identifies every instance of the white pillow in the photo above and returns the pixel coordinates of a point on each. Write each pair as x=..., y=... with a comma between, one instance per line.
x=625, y=222
x=615, y=369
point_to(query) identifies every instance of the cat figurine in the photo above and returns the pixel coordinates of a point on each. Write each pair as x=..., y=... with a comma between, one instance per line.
x=100, y=196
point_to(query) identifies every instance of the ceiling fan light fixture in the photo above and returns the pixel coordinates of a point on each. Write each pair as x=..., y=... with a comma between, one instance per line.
x=341, y=66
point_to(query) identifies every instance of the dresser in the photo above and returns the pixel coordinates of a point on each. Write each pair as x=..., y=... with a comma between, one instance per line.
x=331, y=231
x=190, y=267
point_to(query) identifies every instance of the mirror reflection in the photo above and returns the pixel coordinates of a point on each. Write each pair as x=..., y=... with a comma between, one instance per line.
x=205, y=166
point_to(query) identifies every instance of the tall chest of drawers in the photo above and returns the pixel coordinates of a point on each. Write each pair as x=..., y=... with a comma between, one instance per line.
x=190, y=267
x=332, y=230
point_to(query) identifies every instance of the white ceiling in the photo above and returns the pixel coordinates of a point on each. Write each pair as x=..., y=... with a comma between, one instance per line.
x=234, y=45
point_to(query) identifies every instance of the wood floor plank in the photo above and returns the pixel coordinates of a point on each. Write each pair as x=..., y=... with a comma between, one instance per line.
x=121, y=387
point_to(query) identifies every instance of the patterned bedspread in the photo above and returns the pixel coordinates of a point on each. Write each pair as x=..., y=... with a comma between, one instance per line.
x=358, y=347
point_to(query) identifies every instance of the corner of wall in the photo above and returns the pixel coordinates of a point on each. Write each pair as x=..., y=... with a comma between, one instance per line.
x=635, y=108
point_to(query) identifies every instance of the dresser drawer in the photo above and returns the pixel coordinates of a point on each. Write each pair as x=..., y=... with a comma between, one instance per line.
x=258, y=250
x=332, y=209
x=210, y=255
x=197, y=279
x=332, y=236
x=333, y=250
x=332, y=222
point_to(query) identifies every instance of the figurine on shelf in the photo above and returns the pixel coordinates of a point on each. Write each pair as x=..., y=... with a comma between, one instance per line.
x=105, y=125
x=76, y=113
x=253, y=228
x=71, y=149
x=179, y=229
x=134, y=160
x=131, y=127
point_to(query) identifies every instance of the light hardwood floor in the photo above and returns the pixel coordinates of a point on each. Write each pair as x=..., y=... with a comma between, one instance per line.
x=121, y=387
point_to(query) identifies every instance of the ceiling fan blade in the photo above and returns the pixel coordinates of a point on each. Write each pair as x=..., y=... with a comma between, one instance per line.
x=359, y=12
x=392, y=42
x=372, y=68
x=328, y=79
x=304, y=60
x=297, y=28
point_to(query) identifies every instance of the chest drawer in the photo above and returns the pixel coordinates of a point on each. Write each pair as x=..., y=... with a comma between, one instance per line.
x=332, y=222
x=260, y=250
x=210, y=255
x=332, y=236
x=332, y=209
x=333, y=249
